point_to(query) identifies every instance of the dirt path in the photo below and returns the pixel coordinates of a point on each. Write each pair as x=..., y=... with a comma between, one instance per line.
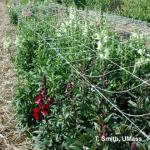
x=10, y=138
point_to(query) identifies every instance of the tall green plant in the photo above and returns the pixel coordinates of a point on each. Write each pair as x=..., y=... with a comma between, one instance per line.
x=87, y=68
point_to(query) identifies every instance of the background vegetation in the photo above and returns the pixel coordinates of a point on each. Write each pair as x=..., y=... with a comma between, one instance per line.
x=137, y=9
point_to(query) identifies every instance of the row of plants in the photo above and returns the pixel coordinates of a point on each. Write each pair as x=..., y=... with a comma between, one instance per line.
x=101, y=5
x=137, y=9
x=65, y=64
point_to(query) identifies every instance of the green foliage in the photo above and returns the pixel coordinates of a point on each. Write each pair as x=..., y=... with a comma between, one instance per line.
x=137, y=9
x=26, y=47
x=13, y=14
x=75, y=54
x=23, y=2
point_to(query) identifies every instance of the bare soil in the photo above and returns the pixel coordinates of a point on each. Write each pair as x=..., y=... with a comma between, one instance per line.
x=10, y=136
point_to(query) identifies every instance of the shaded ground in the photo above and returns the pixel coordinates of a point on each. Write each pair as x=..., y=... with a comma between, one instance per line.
x=10, y=137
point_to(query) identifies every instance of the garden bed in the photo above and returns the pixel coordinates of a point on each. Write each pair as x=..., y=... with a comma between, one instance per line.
x=78, y=82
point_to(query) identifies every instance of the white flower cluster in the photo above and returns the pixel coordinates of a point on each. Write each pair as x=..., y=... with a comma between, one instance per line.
x=19, y=40
x=68, y=22
x=62, y=30
x=142, y=61
x=144, y=57
x=140, y=51
x=72, y=21
x=138, y=36
x=102, y=39
x=72, y=13
x=85, y=29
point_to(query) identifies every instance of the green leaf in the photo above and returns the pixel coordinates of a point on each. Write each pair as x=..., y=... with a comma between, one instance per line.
x=132, y=103
x=73, y=147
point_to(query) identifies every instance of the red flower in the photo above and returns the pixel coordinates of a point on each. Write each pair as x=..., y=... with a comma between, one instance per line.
x=36, y=114
x=45, y=109
x=45, y=112
x=133, y=144
x=45, y=106
x=44, y=102
x=38, y=99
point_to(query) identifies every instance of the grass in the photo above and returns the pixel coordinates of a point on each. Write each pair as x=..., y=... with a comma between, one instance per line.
x=137, y=9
